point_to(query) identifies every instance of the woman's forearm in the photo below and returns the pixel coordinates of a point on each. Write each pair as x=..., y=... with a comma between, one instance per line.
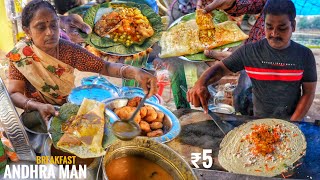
x=119, y=70
x=21, y=101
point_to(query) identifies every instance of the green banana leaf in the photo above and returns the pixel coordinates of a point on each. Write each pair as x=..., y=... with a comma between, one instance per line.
x=106, y=44
x=80, y=10
x=201, y=57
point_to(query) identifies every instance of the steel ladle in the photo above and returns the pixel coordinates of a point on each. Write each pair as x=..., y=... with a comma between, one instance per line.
x=128, y=129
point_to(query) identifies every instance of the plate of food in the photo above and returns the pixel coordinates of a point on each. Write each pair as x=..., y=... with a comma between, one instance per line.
x=155, y=121
x=191, y=34
x=122, y=28
x=263, y=147
x=82, y=130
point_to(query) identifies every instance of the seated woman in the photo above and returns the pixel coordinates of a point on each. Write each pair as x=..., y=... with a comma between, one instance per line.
x=41, y=69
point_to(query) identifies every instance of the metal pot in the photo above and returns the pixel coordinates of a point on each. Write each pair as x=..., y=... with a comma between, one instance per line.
x=154, y=151
x=34, y=126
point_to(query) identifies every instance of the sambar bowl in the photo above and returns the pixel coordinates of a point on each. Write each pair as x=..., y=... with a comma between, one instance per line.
x=153, y=151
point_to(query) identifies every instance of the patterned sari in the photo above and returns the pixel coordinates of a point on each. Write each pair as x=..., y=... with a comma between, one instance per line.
x=52, y=78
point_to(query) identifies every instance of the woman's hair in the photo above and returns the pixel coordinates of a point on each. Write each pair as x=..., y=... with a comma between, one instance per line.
x=280, y=7
x=30, y=9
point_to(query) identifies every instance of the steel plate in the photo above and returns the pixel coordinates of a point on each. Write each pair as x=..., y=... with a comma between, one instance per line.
x=131, y=92
x=171, y=124
x=222, y=108
x=99, y=80
x=95, y=92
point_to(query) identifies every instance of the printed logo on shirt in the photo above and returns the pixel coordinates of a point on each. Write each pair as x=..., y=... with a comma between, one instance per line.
x=266, y=74
x=277, y=64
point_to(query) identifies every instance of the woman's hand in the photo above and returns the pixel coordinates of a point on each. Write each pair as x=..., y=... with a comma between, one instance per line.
x=210, y=5
x=198, y=95
x=46, y=111
x=147, y=81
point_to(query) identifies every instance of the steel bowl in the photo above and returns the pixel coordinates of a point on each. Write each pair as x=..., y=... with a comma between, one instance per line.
x=131, y=92
x=154, y=151
x=221, y=108
x=171, y=124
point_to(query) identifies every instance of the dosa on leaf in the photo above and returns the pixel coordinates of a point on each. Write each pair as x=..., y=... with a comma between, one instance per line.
x=84, y=132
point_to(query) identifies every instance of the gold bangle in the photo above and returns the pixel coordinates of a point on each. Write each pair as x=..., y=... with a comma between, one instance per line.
x=25, y=105
x=122, y=69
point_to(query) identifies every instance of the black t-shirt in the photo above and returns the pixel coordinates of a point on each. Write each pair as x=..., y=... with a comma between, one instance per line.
x=276, y=75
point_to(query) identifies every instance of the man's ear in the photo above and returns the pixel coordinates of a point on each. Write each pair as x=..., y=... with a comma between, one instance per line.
x=293, y=24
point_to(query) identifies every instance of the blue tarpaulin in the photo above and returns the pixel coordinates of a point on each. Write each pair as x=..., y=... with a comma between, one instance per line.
x=307, y=7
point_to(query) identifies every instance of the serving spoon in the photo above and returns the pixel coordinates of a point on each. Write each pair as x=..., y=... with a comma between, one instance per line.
x=128, y=129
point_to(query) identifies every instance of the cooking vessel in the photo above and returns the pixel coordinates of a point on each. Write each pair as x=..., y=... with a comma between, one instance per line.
x=37, y=134
x=154, y=151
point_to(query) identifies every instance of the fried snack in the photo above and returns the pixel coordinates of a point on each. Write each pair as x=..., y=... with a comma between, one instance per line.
x=143, y=112
x=125, y=25
x=126, y=112
x=156, y=125
x=134, y=101
x=155, y=133
x=106, y=23
x=145, y=127
x=151, y=114
x=160, y=117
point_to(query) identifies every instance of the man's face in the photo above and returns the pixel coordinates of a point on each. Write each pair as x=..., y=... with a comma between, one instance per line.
x=278, y=30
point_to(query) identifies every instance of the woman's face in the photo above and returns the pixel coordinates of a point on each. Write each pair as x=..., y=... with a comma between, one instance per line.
x=44, y=29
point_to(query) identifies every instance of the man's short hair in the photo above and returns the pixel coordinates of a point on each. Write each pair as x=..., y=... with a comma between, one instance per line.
x=280, y=7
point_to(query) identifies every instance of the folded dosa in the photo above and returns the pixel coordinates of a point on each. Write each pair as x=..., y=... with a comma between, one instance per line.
x=83, y=133
x=183, y=38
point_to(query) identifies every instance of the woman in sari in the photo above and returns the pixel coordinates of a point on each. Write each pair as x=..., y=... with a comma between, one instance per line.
x=41, y=69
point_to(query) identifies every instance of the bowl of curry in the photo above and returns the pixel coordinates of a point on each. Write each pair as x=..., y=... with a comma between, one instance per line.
x=144, y=158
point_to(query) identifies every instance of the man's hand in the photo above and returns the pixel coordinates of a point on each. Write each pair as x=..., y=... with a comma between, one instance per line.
x=72, y=24
x=46, y=111
x=198, y=95
x=210, y=5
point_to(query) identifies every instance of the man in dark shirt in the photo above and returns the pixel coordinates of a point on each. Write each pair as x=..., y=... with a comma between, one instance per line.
x=277, y=66
x=242, y=94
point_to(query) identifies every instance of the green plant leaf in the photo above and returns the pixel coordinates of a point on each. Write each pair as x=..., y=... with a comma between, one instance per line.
x=188, y=17
x=201, y=57
x=219, y=16
x=102, y=42
x=51, y=69
x=90, y=15
x=80, y=10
